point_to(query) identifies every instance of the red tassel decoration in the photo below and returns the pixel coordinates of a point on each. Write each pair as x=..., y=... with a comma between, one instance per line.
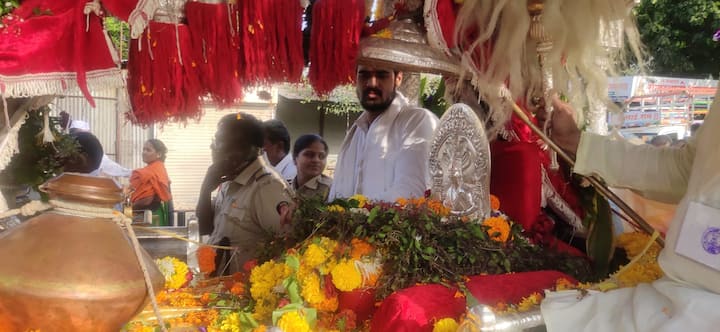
x=271, y=35
x=163, y=81
x=215, y=49
x=334, y=43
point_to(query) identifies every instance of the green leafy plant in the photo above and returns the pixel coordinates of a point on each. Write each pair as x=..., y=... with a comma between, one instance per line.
x=36, y=162
x=8, y=6
x=432, y=94
x=420, y=245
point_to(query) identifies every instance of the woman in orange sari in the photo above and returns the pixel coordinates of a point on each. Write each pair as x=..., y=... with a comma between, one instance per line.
x=151, y=184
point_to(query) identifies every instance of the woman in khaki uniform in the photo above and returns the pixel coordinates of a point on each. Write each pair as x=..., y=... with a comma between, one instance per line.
x=310, y=156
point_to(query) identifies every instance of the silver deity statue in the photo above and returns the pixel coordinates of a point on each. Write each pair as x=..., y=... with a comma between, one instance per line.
x=460, y=164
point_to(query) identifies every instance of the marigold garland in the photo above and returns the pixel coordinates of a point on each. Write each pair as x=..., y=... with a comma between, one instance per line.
x=206, y=259
x=175, y=271
x=264, y=279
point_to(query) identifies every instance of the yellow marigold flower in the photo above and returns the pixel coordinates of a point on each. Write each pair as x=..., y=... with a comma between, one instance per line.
x=362, y=200
x=231, y=323
x=646, y=268
x=445, y=325
x=499, y=228
x=328, y=244
x=174, y=270
x=529, y=302
x=315, y=255
x=292, y=321
x=311, y=291
x=263, y=279
x=384, y=33
x=494, y=203
x=360, y=248
x=346, y=276
x=336, y=208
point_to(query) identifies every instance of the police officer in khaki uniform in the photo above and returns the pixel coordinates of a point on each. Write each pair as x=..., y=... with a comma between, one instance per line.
x=253, y=201
x=310, y=156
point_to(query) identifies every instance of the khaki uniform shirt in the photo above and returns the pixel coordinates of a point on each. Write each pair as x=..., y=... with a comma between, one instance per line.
x=317, y=186
x=247, y=210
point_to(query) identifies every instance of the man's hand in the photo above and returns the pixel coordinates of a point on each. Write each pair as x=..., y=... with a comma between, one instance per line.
x=564, y=126
x=213, y=177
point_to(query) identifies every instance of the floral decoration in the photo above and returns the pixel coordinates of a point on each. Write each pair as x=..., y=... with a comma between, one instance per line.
x=206, y=259
x=175, y=271
x=445, y=325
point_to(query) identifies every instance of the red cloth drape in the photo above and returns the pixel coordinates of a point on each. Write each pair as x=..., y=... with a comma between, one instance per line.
x=45, y=49
x=417, y=308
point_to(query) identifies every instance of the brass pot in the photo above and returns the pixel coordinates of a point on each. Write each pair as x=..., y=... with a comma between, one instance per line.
x=63, y=272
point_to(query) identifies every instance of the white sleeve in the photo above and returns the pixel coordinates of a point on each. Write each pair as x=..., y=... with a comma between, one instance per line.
x=657, y=173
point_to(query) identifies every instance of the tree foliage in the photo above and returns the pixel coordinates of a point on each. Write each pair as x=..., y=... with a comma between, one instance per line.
x=113, y=26
x=678, y=36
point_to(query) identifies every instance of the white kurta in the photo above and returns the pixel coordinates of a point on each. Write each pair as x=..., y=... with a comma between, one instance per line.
x=688, y=297
x=388, y=158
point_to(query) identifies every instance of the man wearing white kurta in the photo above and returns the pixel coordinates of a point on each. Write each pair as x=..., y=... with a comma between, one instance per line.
x=385, y=154
x=687, y=298
x=277, y=149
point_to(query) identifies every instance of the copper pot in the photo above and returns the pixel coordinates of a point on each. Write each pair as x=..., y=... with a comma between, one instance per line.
x=71, y=273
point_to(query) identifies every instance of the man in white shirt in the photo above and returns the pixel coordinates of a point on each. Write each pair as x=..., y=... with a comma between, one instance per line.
x=277, y=149
x=108, y=167
x=686, y=299
x=385, y=154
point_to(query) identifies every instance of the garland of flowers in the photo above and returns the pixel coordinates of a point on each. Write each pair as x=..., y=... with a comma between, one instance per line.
x=419, y=245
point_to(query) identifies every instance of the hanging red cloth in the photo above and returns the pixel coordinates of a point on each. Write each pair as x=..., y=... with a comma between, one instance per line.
x=335, y=42
x=163, y=80
x=44, y=50
x=215, y=46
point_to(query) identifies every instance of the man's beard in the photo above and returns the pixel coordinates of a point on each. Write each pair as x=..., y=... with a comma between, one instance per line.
x=379, y=107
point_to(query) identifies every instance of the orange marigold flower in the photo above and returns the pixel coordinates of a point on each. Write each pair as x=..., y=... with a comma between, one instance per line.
x=360, y=248
x=563, y=284
x=401, y=201
x=205, y=298
x=206, y=259
x=498, y=228
x=238, y=289
x=494, y=203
